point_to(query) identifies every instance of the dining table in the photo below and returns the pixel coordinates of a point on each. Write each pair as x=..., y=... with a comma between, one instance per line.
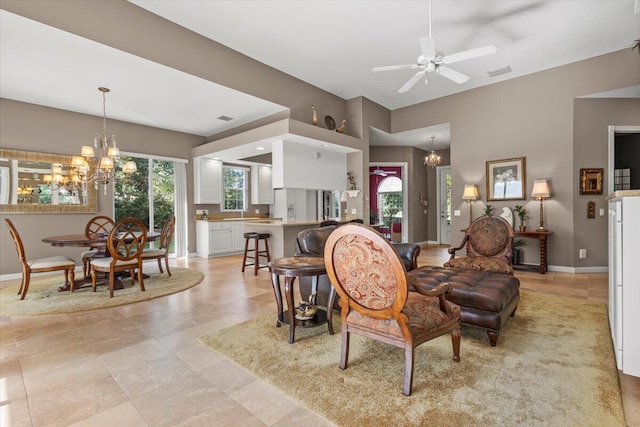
x=82, y=241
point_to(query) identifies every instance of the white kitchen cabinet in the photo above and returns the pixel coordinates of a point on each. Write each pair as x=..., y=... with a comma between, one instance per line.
x=261, y=185
x=237, y=234
x=207, y=181
x=624, y=280
x=219, y=237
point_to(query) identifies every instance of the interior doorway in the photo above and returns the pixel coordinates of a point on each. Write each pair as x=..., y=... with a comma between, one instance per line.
x=443, y=183
x=387, y=199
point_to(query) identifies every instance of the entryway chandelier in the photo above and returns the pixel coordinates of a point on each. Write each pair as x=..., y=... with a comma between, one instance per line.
x=99, y=168
x=432, y=160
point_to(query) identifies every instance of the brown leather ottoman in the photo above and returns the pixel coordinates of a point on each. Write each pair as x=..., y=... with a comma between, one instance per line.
x=486, y=299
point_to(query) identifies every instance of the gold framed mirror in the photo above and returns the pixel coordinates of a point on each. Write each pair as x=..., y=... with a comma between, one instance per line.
x=591, y=180
x=25, y=187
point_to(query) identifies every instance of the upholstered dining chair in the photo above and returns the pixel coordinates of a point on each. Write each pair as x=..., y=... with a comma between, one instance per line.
x=125, y=242
x=42, y=265
x=367, y=273
x=488, y=243
x=97, y=227
x=162, y=252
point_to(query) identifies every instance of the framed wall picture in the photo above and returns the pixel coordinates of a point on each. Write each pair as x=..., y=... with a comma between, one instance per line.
x=506, y=179
x=591, y=180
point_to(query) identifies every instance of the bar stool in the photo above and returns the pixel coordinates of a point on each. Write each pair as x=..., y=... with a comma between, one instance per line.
x=257, y=253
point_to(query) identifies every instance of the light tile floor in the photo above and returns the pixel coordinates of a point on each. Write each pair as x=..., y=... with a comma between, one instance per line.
x=140, y=364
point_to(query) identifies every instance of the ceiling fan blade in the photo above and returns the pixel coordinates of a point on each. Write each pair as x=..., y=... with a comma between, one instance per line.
x=428, y=46
x=395, y=67
x=454, y=75
x=468, y=54
x=413, y=80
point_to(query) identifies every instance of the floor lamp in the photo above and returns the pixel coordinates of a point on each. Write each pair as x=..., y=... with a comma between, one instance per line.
x=470, y=194
x=540, y=192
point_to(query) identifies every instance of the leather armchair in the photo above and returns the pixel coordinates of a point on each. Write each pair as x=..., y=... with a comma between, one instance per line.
x=311, y=242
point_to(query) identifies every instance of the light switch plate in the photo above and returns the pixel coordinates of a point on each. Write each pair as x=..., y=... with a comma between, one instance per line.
x=456, y=212
x=354, y=211
x=601, y=211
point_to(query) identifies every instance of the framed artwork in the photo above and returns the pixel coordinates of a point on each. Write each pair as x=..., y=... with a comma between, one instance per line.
x=591, y=180
x=506, y=179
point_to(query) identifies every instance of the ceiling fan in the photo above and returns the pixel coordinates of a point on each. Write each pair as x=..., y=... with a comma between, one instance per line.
x=380, y=172
x=430, y=61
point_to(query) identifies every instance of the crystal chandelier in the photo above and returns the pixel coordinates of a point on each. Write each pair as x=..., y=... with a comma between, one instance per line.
x=432, y=160
x=99, y=168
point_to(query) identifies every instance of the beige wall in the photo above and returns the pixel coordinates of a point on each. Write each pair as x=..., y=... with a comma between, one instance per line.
x=532, y=117
x=590, y=147
x=34, y=128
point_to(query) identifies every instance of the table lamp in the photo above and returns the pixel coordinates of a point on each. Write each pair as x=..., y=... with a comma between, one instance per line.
x=540, y=192
x=470, y=194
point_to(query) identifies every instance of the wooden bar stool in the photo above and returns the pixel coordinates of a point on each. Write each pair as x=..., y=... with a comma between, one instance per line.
x=257, y=253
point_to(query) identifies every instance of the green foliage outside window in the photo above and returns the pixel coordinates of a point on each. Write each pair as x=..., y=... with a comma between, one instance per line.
x=391, y=205
x=234, y=189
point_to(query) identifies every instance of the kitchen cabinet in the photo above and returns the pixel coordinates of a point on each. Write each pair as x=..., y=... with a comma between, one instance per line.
x=207, y=181
x=624, y=280
x=261, y=185
x=219, y=237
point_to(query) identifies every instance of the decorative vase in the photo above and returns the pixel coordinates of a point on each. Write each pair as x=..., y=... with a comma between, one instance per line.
x=523, y=228
x=515, y=257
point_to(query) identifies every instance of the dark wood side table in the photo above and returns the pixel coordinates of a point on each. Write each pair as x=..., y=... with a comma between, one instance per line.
x=291, y=268
x=542, y=236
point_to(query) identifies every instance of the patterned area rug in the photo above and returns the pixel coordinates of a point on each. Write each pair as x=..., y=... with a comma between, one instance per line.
x=553, y=366
x=43, y=296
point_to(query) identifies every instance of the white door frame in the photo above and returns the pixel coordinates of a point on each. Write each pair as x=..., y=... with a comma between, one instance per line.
x=405, y=193
x=612, y=151
x=438, y=199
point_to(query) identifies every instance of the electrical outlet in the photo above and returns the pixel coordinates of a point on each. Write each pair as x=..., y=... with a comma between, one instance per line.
x=583, y=253
x=204, y=211
x=257, y=211
x=456, y=212
x=354, y=211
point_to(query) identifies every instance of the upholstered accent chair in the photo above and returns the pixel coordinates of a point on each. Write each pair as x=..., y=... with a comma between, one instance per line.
x=488, y=243
x=42, y=265
x=97, y=227
x=125, y=243
x=375, y=301
x=162, y=252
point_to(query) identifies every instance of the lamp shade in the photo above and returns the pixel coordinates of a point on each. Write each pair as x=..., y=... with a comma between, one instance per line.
x=540, y=189
x=470, y=192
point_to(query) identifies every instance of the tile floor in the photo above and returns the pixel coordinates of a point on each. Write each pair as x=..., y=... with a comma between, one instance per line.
x=140, y=364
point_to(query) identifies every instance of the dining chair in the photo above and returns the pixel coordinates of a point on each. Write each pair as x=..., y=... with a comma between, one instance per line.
x=125, y=242
x=42, y=265
x=367, y=273
x=97, y=227
x=166, y=234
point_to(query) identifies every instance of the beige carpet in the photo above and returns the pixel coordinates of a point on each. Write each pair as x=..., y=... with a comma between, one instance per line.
x=553, y=366
x=43, y=296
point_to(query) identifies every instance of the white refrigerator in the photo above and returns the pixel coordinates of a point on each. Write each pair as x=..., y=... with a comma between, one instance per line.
x=292, y=204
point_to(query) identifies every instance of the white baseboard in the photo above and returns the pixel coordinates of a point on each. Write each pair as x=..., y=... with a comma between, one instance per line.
x=577, y=270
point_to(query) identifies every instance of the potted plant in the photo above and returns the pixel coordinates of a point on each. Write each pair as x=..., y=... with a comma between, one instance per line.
x=488, y=209
x=515, y=251
x=522, y=214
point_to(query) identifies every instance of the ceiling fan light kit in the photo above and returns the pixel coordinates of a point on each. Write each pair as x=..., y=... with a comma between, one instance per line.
x=430, y=60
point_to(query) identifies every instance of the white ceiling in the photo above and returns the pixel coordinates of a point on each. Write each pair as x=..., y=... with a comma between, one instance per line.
x=330, y=44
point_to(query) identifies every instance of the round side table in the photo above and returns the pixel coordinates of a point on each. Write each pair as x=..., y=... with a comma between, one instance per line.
x=290, y=268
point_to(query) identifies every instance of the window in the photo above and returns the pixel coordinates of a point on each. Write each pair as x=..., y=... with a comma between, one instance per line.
x=235, y=188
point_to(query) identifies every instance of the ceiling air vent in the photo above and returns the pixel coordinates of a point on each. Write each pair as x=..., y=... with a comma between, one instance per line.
x=499, y=71
x=225, y=118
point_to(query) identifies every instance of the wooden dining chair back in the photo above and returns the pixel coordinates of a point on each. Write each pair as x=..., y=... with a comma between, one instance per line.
x=98, y=227
x=125, y=244
x=367, y=273
x=42, y=265
x=162, y=252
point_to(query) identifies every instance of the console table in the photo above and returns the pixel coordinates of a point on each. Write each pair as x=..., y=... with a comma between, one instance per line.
x=542, y=236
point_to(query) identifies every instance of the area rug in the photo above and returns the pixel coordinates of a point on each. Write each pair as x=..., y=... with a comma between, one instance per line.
x=553, y=366
x=43, y=296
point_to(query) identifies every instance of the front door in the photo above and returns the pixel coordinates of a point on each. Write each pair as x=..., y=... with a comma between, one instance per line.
x=444, y=201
